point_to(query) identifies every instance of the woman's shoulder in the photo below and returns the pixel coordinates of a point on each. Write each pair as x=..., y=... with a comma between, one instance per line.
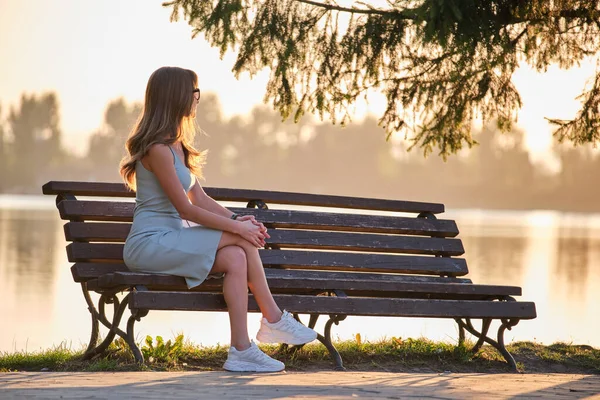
x=160, y=152
x=157, y=154
x=158, y=149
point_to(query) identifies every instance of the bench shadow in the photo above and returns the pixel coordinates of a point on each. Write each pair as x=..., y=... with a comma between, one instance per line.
x=586, y=387
x=224, y=385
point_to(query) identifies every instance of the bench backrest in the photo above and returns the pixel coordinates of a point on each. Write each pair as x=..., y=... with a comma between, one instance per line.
x=419, y=245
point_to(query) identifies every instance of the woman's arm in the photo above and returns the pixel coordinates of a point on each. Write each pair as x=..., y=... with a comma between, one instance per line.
x=199, y=198
x=160, y=161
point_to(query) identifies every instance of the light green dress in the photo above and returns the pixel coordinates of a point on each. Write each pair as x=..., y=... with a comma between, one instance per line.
x=158, y=241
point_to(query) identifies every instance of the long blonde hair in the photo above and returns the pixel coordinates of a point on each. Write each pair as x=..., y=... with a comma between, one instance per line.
x=165, y=119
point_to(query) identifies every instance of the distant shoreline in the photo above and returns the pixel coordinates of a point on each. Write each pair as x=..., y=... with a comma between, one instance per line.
x=10, y=201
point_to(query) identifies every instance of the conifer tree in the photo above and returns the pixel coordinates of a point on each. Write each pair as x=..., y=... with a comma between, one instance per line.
x=439, y=63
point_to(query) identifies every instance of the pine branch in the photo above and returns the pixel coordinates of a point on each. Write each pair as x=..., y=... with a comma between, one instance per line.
x=585, y=127
x=440, y=65
x=588, y=15
x=352, y=10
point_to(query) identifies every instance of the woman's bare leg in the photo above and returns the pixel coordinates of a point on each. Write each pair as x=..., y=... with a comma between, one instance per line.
x=256, y=279
x=232, y=261
x=257, y=282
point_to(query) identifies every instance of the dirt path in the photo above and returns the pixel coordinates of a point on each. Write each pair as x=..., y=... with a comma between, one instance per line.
x=324, y=385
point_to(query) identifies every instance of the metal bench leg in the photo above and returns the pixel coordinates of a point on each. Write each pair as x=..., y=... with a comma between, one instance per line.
x=485, y=326
x=461, y=334
x=506, y=324
x=113, y=326
x=326, y=340
x=94, y=314
x=136, y=315
x=313, y=320
x=99, y=316
x=482, y=337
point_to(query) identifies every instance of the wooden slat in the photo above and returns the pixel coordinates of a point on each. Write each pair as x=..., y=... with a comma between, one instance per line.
x=155, y=280
x=96, y=231
x=85, y=271
x=80, y=210
x=362, y=262
x=297, y=280
x=120, y=274
x=298, y=239
x=365, y=242
x=101, y=189
x=339, y=305
x=352, y=222
x=89, y=252
x=274, y=197
x=84, y=252
x=123, y=212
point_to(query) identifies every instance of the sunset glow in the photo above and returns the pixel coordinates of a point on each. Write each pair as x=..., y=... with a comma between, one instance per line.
x=93, y=52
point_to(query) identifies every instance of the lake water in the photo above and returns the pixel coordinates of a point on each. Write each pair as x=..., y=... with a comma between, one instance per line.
x=554, y=257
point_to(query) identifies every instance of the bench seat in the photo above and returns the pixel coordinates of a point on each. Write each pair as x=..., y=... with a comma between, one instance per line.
x=297, y=281
x=365, y=306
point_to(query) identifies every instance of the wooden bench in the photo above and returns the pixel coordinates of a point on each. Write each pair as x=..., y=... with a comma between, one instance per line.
x=317, y=262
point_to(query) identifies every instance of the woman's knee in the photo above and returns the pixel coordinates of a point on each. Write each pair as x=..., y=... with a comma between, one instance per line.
x=232, y=240
x=232, y=259
x=227, y=239
x=247, y=246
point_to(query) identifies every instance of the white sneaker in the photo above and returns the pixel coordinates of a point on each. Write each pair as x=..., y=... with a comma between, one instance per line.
x=286, y=330
x=251, y=360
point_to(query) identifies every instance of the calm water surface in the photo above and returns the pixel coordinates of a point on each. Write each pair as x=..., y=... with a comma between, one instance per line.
x=554, y=256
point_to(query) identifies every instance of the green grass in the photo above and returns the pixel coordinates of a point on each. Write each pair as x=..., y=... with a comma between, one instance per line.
x=558, y=356
x=394, y=354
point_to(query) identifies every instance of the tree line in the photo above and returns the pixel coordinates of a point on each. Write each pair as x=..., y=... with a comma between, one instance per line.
x=260, y=151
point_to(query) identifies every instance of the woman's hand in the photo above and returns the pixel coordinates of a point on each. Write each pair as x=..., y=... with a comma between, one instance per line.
x=252, y=232
x=255, y=222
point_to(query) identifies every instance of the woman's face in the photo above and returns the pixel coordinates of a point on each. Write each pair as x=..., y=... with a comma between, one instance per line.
x=195, y=102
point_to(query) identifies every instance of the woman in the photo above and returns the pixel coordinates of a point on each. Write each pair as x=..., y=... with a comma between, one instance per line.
x=162, y=166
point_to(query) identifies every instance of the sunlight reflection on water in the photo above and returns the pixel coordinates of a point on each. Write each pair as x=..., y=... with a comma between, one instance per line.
x=554, y=257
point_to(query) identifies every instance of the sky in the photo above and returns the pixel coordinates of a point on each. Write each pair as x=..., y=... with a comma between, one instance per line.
x=91, y=52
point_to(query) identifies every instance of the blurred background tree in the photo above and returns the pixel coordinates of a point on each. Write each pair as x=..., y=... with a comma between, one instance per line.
x=35, y=145
x=107, y=146
x=260, y=151
x=3, y=158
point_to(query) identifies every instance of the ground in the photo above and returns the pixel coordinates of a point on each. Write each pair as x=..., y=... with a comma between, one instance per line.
x=321, y=384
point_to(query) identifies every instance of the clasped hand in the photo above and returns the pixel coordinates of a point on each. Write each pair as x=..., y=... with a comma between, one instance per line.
x=253, y=231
